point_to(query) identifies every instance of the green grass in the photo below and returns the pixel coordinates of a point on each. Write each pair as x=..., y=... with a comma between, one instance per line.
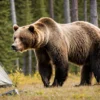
x=34, y=90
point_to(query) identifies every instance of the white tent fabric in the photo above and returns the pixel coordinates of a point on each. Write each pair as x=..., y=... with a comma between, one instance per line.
x=4, y=79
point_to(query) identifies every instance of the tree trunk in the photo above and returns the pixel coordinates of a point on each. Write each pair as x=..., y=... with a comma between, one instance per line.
x=51, y=8
x=93, y=12
x=85, y=10
x=30, y=62
x=13, y=15
x=74, y=10
x=13, y=12
x=74, y=17
x=24, y=63
x=67, y=11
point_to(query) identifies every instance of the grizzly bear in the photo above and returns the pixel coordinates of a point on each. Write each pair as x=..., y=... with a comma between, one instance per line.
x=55, y=44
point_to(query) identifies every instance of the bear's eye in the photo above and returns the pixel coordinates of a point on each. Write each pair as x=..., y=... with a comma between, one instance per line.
x=14, y=38
x=22, y=39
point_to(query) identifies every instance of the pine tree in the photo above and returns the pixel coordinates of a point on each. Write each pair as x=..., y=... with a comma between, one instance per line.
x=85, y=10
x=67, y=11
x=59, y=10
x=6, y=53
x=74, y=10
x=51, y=8
x=24, y=17
x=93, y=12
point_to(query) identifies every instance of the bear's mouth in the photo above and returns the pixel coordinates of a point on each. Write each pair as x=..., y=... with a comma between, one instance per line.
x=17, y=49
x=20, y=50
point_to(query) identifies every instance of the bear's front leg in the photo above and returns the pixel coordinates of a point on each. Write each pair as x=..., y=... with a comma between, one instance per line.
x=59, y=57
x=61, y=73
x=44, y=66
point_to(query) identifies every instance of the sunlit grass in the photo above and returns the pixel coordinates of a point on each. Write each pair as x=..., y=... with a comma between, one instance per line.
x=31, y=88
x=20, y=79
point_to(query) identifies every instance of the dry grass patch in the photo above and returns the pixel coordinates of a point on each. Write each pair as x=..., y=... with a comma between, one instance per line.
x=31, y=88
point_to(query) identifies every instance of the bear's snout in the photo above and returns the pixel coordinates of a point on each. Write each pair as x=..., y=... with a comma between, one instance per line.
x=14, y=47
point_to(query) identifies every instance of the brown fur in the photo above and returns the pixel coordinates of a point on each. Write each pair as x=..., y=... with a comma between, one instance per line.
x=77, y=42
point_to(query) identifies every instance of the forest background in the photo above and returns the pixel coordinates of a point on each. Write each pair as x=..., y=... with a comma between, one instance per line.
x=27, y=12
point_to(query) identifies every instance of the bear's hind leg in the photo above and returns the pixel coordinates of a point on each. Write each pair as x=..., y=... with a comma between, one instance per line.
x=44, y=66
x=95, y=62
x=96, y=69
x=86, y=75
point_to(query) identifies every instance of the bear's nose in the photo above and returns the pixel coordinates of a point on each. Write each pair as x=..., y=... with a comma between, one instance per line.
x=13, y=47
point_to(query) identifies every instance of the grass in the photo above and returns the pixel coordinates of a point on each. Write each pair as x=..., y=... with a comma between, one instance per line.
x=31, y=88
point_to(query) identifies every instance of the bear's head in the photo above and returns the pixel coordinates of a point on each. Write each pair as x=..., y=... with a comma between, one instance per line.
x=29, y=37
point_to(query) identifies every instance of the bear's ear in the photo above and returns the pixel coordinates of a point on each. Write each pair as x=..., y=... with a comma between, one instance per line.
x=15, y=27
x=31, y=28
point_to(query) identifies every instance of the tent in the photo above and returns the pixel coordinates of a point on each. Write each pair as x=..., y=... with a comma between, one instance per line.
x=4, y=79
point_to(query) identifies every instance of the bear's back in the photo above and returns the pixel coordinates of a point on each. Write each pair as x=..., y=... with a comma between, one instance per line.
x=80, y=36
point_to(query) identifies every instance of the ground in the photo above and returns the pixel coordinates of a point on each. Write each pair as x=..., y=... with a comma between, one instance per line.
x=32, y=89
